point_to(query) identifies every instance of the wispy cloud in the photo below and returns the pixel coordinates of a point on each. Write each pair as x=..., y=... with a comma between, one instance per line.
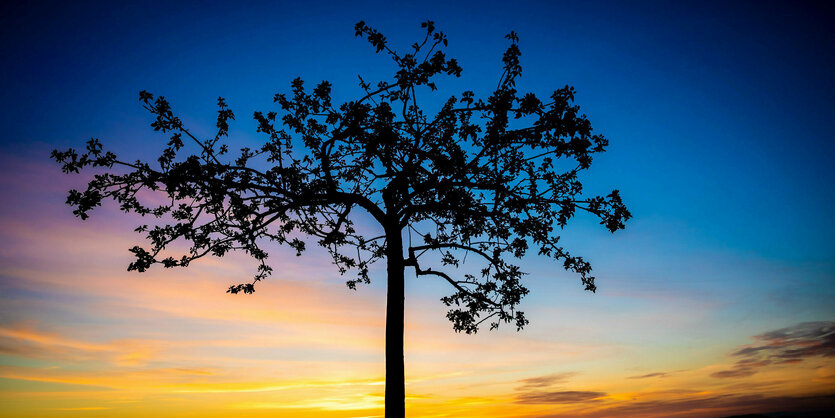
x=21, y=341
x=533, y=390
x=807, y=339
x=545, y=381
x=739, y=372
x=649, y=375
x=783, y=346
x=82, y=408
x=715, y=405
x=566, y=396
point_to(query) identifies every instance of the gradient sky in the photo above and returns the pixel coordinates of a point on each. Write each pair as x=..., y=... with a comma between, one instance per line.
x=716, y=299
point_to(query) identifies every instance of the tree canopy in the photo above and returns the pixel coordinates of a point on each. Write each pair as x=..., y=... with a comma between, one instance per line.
x=492, y=178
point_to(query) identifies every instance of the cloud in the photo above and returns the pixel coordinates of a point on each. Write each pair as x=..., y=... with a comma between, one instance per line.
x=807, y=339
x=646, y=376
x=532, y=390
x=568, y=396
x=545, y=381
x=718, y=405
x=783, y=346
x=739, y=372
x=82, y=408
x=21, y=341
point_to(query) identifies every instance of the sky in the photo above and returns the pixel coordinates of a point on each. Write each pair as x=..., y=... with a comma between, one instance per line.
x=717, y=298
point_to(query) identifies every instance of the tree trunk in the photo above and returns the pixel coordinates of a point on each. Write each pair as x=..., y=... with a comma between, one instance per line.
x=395, y=378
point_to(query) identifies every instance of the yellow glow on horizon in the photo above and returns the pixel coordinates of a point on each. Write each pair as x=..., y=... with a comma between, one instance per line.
x=172, y=343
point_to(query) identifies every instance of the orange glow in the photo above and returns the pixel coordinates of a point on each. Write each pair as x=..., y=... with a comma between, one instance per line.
x=83, y=337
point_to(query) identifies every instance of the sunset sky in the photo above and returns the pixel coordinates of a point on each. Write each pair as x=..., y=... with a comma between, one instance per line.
x=718, y=298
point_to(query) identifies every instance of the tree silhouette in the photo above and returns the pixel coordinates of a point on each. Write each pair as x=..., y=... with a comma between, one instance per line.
x=487, y=178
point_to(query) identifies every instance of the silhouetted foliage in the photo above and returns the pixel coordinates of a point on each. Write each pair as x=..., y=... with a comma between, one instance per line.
x=478, y=177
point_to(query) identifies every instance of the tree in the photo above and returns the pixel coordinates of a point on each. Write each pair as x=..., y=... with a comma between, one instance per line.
x=488, y=177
